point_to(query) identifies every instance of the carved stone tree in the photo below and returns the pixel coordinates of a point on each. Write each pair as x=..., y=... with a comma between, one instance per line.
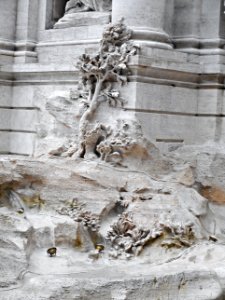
x=98, y=75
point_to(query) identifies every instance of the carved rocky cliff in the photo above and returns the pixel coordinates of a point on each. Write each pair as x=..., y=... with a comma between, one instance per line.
x=100, y=213
x=157, y=234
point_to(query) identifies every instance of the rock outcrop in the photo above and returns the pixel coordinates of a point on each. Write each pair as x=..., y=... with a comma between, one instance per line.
x=160, y=236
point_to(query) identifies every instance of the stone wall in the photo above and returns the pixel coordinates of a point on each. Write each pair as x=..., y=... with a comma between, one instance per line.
x=177, y=80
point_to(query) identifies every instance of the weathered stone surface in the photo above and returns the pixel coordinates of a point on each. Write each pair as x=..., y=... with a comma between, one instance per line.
x=14, y=246
x=149, y=202
x=129, y=210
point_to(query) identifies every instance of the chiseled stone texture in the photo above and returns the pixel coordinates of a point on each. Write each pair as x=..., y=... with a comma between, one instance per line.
x=41, y=188
x=157, y=216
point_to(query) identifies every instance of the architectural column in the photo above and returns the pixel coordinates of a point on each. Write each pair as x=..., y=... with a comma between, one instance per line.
x=7, y=30
x=7, y=37
x=151, y=21
x=212, y=29
x=199, y=26
x=26, y=31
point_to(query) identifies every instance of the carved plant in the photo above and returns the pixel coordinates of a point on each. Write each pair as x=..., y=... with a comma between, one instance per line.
x=98, y=73
x=119, y=142
x=177, y=236
x=76, y=211
x=127, y=238
x=89, y=220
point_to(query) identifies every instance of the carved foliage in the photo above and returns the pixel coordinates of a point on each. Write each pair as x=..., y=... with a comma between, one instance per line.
x=128, y=238
x=177, y=236
x=120, y=141
x=99, y=72
x=76, y=211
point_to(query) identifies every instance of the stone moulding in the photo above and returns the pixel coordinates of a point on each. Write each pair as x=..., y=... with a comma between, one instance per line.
x=6, y=44
x=153, y=38
x=197, y=45
x=19, y=49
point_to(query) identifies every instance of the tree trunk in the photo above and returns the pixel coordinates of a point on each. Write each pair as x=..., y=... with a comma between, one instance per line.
x=87, y=116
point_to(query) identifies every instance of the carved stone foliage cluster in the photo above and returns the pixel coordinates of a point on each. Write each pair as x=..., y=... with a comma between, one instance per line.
x=120, y=141
x=76, y=211
x=177, y=235
x=128, y=239
x=99, y=74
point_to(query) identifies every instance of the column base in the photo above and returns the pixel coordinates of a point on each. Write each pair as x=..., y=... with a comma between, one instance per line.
x=199, y=46
x=151, y=38
x=6, y=52
x=25, y=57
x=25, y=52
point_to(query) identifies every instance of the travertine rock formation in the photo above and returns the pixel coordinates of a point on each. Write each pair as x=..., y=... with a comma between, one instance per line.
x=160, y=237
x=113, y=203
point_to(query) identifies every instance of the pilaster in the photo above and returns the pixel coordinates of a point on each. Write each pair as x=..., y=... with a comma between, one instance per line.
x=7, y=31
x=26, y=31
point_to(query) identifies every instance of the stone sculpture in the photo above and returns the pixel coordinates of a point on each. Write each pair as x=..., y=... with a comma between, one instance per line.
x=98, y=73
x=74, y=6
x=127, y=238
x=101, y=75
x=76, y=211
x=171, y=237
x=120, y=141
x=85, y=12
x=78, y=6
